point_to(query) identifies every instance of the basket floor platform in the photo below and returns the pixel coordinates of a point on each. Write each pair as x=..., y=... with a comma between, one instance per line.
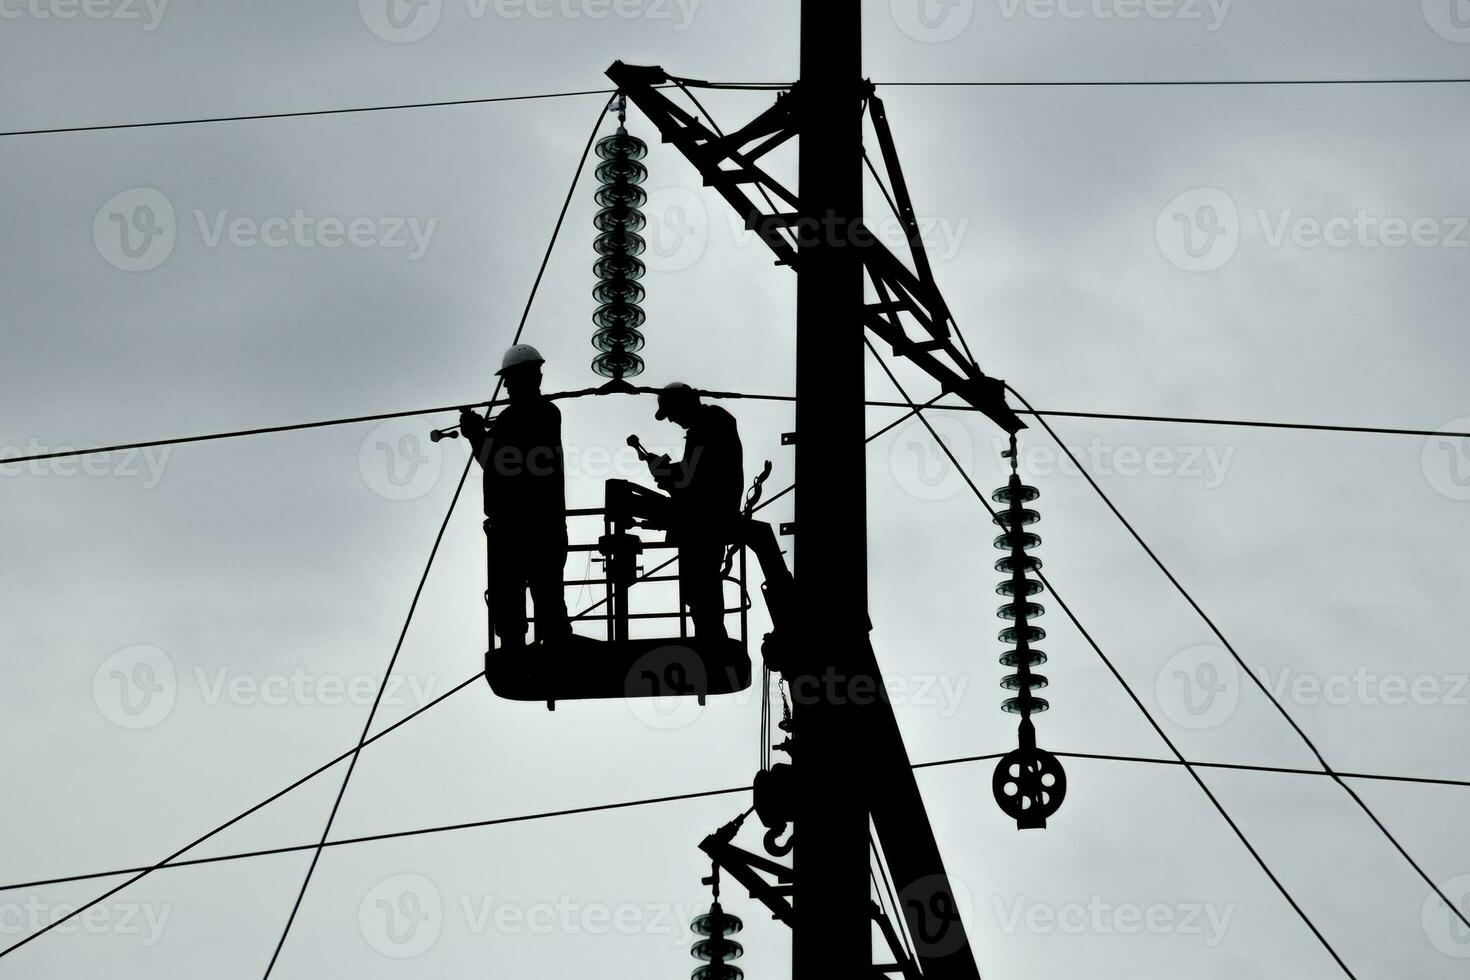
x=580, y=668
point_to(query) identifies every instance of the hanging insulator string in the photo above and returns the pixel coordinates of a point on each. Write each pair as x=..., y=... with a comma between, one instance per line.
x=1029, y=783
x=619, y=219
x=715, y=949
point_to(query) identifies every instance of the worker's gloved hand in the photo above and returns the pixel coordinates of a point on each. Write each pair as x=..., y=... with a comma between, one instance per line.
x=471, y=424
x=662, y=469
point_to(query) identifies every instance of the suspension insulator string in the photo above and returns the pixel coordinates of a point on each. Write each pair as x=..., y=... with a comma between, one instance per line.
x=715, y=948
x=1029, y=783
x=619, y=220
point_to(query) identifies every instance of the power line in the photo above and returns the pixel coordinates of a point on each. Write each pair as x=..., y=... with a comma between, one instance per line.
x=364, y=740
x=306, y=113
x=500, y=381
x=1275, y=702
x=367, y=725
x=651, y=801
x=1165, y=83
x=743, y=86
x=875, y=403
x=1219, y=807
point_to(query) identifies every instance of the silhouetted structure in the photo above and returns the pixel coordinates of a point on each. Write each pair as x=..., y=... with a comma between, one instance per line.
x=520, y=453
x=704, y=489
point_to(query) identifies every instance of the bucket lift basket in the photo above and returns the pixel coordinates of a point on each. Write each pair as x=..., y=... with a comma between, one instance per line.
x=619, y=665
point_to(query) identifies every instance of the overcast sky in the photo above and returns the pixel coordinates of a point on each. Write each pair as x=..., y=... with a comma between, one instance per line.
x=184, y=633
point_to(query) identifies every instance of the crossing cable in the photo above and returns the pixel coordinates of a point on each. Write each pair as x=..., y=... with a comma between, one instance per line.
x=310, y=112
x=1275, y=702
x=524, y=818
x=710, y=393
x=372, y=714
x=363, y=740
x=499, y=383
x=1280, y=887
x=173, y=860
x=741, y=86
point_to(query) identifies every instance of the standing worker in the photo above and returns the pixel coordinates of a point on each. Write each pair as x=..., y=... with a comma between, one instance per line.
x=706, y=488
x=525, y=503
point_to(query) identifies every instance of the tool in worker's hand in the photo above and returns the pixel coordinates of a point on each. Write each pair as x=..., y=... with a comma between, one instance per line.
x=452, y=431
x=643, y=454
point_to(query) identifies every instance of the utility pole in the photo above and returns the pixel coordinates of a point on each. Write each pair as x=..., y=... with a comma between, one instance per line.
x=831, y=934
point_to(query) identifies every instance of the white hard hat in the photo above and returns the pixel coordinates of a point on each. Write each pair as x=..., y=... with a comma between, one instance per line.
x=519, y=355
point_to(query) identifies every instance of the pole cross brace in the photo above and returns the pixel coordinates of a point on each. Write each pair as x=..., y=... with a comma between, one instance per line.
x=728, y=163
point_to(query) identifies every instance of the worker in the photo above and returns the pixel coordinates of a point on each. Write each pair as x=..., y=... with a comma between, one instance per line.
x=705, y=488
x=520, y=452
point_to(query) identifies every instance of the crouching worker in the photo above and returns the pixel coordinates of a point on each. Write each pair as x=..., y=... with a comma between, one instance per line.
x=520, y=452
x=705, y=489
